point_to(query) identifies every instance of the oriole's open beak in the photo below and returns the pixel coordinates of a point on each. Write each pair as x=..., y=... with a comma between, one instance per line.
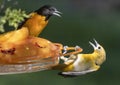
x=94, y=45
x=57, y=13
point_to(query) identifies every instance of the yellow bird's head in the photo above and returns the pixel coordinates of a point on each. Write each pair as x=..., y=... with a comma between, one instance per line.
x=99, y=53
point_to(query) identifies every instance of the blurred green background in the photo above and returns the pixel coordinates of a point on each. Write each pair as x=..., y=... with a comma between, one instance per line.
x=81, y=21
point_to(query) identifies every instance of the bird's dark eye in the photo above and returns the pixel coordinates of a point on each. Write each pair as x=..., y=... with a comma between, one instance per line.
x=99, y=47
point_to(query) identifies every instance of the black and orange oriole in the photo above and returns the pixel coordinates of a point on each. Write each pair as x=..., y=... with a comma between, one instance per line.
x=32, y=26
x=22, y=46
x=39, y=19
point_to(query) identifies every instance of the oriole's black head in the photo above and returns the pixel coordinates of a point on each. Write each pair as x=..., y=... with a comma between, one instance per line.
x=48, y=11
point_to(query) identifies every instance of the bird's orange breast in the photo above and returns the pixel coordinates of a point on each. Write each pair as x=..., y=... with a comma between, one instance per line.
x=35, y=24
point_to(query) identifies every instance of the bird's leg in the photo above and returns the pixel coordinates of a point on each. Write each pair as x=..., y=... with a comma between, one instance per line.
x=66, y=49
x=71, y=54
x=70, y=59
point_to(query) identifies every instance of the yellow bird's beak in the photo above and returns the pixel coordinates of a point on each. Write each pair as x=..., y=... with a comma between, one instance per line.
x=96, y=45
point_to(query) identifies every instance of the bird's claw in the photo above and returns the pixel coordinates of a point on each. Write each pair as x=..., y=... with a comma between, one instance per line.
x=65, y=49
x=76, y=49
